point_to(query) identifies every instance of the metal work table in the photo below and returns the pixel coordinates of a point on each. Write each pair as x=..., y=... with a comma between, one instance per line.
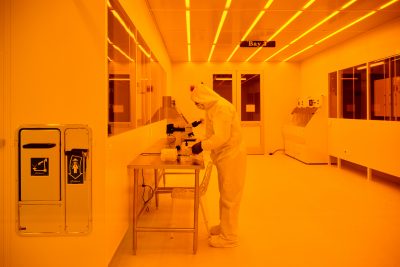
x=151, y=160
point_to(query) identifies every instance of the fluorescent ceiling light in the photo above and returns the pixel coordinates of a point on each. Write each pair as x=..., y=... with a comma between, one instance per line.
x=347, y=5
x=284, y=26
x=255, y=52
x=188, y=26
x=211, y=53
x=221, y=23
x=259, y=16
x=277, y=52
x=345, y=27
x=301, y=51
x=187, y=4
x=309, y=3
x=189, y=53
x=233, y=52
x=315, y=26
x=334, y=13
x=387, y=4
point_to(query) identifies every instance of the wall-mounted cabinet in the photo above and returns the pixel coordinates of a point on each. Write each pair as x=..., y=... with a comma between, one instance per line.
x=137, y=81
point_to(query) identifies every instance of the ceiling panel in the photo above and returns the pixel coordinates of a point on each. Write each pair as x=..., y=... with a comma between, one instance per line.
x=169, y=15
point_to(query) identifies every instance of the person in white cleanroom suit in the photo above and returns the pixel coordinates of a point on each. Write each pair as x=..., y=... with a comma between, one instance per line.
x=223, y=136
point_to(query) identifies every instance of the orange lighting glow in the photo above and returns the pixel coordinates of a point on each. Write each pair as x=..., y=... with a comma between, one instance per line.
x=315, y=26
x=259, y=16
x=345, y=27
x=221, y=23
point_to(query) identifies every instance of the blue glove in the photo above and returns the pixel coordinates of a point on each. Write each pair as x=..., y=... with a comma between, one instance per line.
x=196, y=148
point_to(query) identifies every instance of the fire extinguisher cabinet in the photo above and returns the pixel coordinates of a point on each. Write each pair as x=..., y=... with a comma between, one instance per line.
x=54, y=180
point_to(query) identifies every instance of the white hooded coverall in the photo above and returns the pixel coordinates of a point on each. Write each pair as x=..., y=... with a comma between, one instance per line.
x=223, y=136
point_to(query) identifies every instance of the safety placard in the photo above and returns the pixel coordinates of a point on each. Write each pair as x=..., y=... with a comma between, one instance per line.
x=75, y=169
x=40, y=166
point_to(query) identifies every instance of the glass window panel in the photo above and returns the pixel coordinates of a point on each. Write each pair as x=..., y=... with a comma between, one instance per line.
x=222, y=84
x=360, y=91
x=347, y=80
x=250, y=97
x=380, y=90
x=119, y=98
x=333, y=95
x=354, y=92
x=121, y=69
x=157, y=89
x=134, y=99
x=395, y=71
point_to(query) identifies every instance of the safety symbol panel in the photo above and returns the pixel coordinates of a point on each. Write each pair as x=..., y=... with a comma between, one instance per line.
x=75, y=169
x=39, y=166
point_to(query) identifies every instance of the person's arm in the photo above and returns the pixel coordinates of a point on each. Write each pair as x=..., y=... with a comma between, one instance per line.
x=222, y=120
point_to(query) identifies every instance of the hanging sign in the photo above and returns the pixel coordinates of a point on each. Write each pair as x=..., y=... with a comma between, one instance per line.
x=257, y=44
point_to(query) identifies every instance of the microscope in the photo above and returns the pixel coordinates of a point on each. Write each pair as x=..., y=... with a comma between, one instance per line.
x=179, y=137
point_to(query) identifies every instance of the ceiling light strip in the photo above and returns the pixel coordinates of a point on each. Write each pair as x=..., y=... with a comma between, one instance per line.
x=187, y=11
x=255, y=52
x=233, y=52
x=211, y=53
x=305, y=49
x=259, y=16
x=334, y=13
x=309, y=3
x=345, y=27
x=277, y=52
x=221, y=23
x=347, y=5
x=298, y=13
x=315, y=26
x=387, y=4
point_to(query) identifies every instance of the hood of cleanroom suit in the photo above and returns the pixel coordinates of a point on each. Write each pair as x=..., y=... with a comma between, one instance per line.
x=223, y=132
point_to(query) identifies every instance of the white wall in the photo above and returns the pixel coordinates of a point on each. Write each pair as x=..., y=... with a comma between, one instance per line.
x=123, y=148
x=369, y=143
x=5, y=132
x=280, y=90
x=58, y=75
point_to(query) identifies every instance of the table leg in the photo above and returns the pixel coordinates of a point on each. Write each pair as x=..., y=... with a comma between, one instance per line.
x=134, y=221
x=196, y=211
x=156, y=185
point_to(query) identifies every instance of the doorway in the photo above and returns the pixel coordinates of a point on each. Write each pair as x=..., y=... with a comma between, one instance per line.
x=243, y=90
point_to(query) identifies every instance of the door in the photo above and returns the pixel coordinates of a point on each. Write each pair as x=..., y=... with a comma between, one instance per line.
x=243, y=89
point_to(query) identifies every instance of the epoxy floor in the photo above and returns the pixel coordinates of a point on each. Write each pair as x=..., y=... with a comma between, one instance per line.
x=292, y=214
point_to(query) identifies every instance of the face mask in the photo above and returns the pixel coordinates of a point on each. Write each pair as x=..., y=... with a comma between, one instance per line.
x=199, y=105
